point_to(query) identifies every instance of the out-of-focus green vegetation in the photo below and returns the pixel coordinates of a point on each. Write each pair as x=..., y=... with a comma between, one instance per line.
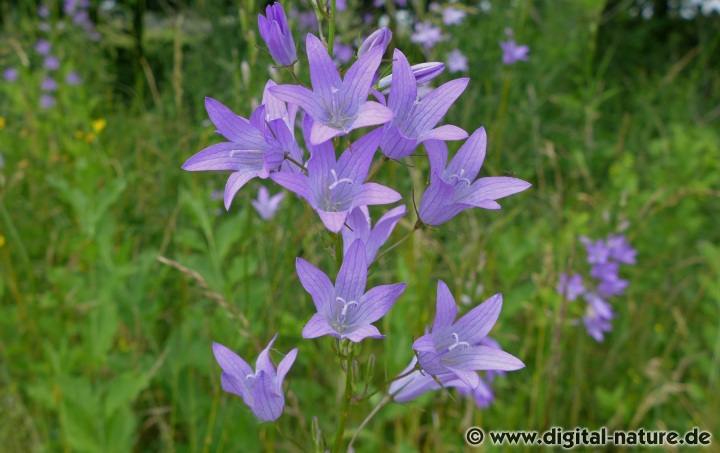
x=117, y=272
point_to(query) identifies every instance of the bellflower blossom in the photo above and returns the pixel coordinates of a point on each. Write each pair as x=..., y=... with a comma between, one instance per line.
x=346, y=310
x=10, y=74
x=265, y=205
x=255, y=147
x=275, y=31
x=73, y=78
x=359, y=227
x=457, y=62
x=262, y=389
x=571, y=287
x=379, y=38
x=337, y=106
x=427, y=35
x=47, y=101
x=415, y=120
x=512, y=53
x=423, y=73
x=409, y=387
x=453, y=16
x=482, y=395
x=455, y=346
x=48, y=84
x=333, y=188
x=342, y=53
x=452, y=189
x=51, y=63
x=620, y=249
x=597, y=316
x=43, y=47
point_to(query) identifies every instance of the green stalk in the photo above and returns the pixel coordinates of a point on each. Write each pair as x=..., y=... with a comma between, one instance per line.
x=337, y=445
x=331, y=31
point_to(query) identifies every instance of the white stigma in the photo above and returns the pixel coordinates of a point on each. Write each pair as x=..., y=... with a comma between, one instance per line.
x=346, y=305
x=459, y=177
x=338, y=181
x=457, y=342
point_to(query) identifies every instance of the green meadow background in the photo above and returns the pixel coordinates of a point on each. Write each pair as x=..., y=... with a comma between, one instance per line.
x=117, y=272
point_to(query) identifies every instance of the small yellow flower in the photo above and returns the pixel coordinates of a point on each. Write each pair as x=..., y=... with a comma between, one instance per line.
x=99, y=125
x=79, y=134
x=89, y=137
x=2, y=240
x=2, y=123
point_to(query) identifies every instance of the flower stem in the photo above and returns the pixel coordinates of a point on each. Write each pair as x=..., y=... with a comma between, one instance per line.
x=338, y=249
x=386, y=399
x=377, y=168
x=331, y=31
x=417, y=226
x=337, y=444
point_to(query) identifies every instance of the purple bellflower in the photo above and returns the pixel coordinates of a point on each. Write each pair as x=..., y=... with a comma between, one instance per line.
x=337, y=106
x=455, y=346
x=597, y=317
x=620, y=249
x=10, y=74
x=359, y=227
x=416, y=383
x=379, y=38
x=265, y=205
x=427, y=34
x=43, y=47
x=415, y=120
x=345, y=310
x=512, y=53
x=260, y=389
x=333, y=188
x=73, y=78
x=452, y=189
x=423, y=73
x=255, y=147
x=47, y=101
x=275, y=31
x=342, y=53
x=51, y=63
x=571, y=287
x=457, y=62
x=597, y=252
x=49, y=84
x=453, y=16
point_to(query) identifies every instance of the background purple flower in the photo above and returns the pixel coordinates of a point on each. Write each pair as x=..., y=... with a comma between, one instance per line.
x=10, y=74
x=265, y=205
x=43, y=47
x=51, y=63
x=453, y=16
x=427, y=35
x=456, y=61
x=73, y=78
x=48, y=84
x=47, y=101
x=261, y=389
x=512, y=53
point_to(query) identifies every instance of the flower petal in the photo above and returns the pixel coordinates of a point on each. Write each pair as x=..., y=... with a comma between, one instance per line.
x=424, y=344
x=481, y=358
x=318, y=327
x=358, y=80
x=494, y=188
x=373, y=194
x=284, y=366
x=321, y=132
x=477, y=323
x=434, y=106
x=230, y=362
x=263, y=362
x=294, y=182
x=437, y=154
x=403, y=93
x=235, y=183
x=237, y=386
x=306, y=99
x=233, y=127
x=446, y=132
x=372, y=113
x=379, y=235
x=333, y=221
x=376, y=303
x=470, y=157
x=268, y=403
x=318, y=285
x=355, y=162
x=352, y=277
x=362, y=332
x=446, y=308
x=224, y=156
x=323, y=74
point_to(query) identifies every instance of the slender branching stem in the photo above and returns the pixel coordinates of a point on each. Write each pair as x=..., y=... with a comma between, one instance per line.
x=377, y=168
x=331, y=30
x=417, y=226
x=386, y=399
x=337, y=444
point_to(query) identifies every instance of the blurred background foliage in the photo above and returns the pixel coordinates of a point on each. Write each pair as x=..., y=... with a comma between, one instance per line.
x=118, y=269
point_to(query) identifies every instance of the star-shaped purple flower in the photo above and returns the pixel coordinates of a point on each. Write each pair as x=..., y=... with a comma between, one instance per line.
x=452, y=189
x=359, y=227
x=345, y=310
x=620, y=249
x=336, y=105
x=597, y=317
x=255, y=147
x=570, y=287
x=455, y=346
x=333, y=188
x=415, y=120
x=265, y=205
x=260, y=389
x=512, y=53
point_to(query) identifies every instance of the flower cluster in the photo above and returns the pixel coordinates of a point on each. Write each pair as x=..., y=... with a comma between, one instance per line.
x=337, y=112
x=604, y=257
